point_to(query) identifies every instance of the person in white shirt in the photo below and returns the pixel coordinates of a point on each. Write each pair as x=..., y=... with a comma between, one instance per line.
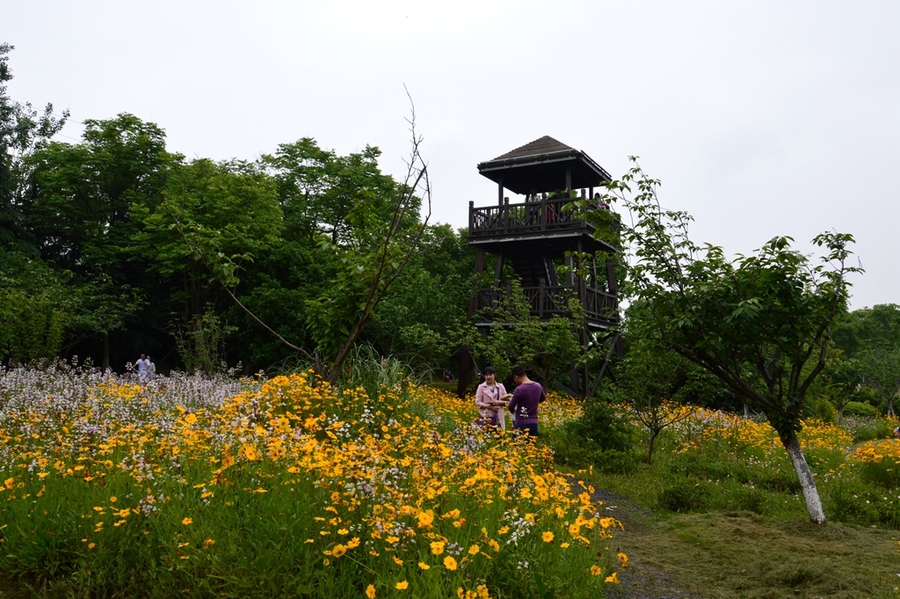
x=143, y=367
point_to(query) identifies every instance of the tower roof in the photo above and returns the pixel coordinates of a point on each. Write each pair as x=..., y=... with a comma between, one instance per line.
x=542, y=166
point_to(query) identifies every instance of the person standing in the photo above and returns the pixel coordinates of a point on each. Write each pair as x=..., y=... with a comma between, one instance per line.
x=524, y=403
x=143, y=367
x=151, y=370
x=490, y=397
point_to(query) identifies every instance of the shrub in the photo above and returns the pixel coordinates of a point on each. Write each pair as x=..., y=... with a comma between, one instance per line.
x=848, y=501
x=682, y=495
x=867, y=428
x=751, y=499
x=883, y=473
x=822, y=409
x=858, y=408
x=602, y=424
x=709, y=467
x=782, y=481
x=889, y=511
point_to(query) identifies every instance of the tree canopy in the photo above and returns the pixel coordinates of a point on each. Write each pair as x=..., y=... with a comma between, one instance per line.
x=760, y=323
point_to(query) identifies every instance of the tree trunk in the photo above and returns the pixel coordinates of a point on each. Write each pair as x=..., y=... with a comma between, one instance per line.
x=807, y=484
x=653, y=435
x=105, y=359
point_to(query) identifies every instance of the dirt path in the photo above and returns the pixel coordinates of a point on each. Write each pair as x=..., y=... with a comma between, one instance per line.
x=643, y=578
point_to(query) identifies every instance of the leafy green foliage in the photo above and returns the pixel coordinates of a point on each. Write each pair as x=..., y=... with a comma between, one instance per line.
x=32, y=309
x=652, y=379
x=871, y=336
x=22, y=131
x=546, y=348
x=760, y=323
x=414, y=320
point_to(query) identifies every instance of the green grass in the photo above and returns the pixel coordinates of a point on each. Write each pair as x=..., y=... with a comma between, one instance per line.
x=732, y=524
x=732, y=555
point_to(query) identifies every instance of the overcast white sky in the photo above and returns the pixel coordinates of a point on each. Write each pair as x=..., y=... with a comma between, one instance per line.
x=762, y=118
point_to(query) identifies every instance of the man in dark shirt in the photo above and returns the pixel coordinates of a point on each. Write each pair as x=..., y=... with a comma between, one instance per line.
x=524, y=403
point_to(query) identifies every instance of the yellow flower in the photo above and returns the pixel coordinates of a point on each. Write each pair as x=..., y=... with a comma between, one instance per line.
x=595, y=570
x=402, y=585
x=623, y=559
x=450, y=563
x=437, y=547
x=613, y=578
x=424, y=566
x=425, y=519
x=208, y=543
x=547, y=537
x=370, y=591
x=397, y=560
x=187, y=521
x=474, y=549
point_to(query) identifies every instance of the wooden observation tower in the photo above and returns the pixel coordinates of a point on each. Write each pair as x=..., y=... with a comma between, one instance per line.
x=542, y=236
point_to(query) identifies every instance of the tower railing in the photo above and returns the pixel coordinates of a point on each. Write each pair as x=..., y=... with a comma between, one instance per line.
x=541, y=215
x=546, y=301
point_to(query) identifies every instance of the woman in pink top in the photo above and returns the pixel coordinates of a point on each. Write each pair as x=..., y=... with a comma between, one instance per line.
x=490, y=397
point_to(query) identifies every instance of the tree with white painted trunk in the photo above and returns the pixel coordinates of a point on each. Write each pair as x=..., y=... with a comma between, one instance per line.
x=761, y=323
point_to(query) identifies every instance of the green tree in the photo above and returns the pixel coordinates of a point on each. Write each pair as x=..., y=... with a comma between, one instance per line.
x=364, y=251
x=79, y=208
x=872, y=336
x=545, y=348
x=82, y=195
x=760, y=323
x=839, y=381
x=881, y=371
x=413, y=323
x=323, y=192
x=208, y=210
x=32, y=308
x=22, y=131
x=655, y=382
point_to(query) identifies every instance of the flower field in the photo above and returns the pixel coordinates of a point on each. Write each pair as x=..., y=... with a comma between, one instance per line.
x=718, y=461
x=282, y=487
